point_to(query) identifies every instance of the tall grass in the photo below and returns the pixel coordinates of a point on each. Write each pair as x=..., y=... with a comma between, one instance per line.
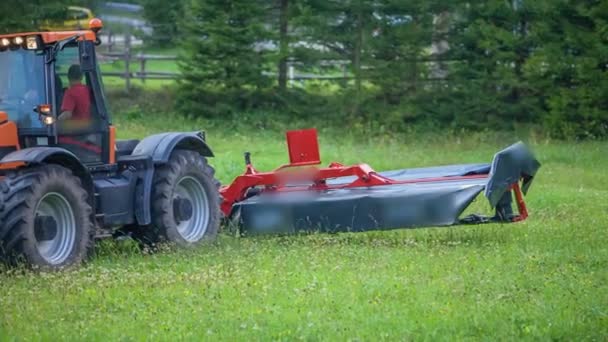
x=543, y=279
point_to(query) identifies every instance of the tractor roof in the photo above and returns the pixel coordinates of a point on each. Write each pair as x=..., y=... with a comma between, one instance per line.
x=52, y=37
x=95, y=25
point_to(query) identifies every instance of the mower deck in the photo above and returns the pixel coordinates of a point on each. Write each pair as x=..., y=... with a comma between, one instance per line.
x=356, y=198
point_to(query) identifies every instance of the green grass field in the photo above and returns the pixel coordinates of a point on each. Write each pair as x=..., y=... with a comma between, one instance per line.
x=546, y=278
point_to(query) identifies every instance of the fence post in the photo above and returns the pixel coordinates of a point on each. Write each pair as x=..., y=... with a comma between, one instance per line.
x=127, y=62
x=142, y=68
x=110, y=40
x=291, y=74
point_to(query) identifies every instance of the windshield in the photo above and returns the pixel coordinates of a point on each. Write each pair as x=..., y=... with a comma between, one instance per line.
x=22, y=86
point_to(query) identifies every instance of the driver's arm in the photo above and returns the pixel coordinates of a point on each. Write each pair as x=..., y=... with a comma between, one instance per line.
x=67, y=106
x=65, y=115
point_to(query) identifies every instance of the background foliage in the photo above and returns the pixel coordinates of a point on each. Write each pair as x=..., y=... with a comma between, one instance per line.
x=493, y=63
x=19, y=16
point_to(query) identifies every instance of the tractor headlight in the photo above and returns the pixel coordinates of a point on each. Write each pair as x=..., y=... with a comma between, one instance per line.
x=5, y=42
x=32, y=42
x=48, y=120
x=18, y=40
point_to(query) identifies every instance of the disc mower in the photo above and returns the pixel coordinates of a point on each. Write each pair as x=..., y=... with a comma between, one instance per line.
x=300, y=196
x=65, y=179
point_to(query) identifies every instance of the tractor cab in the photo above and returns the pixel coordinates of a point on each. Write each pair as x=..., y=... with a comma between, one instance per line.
x=35, y=89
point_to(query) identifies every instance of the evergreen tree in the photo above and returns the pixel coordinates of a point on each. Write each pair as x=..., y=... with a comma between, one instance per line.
x=399, y=49
x=569, y=70
x=22, y=16
x=339, y=30
x=224, y=58
x=164, y=17
x=494, y=42
x=540, y=61
x=388, y=45
x=284, y=51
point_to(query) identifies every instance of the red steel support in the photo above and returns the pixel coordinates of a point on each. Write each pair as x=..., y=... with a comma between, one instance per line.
x=521, y=204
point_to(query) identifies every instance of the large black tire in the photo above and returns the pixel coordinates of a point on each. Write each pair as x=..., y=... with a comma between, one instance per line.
x=28, y=196
x=187, y=175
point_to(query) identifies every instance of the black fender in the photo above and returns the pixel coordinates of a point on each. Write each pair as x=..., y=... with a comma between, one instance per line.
x=160, y=146
x=55, y=155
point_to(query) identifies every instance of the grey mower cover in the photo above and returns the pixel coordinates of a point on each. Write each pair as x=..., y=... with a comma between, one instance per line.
x=438, y=203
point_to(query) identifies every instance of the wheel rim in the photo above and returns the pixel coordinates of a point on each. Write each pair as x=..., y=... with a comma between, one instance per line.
x=58, y=248
x=194, y=228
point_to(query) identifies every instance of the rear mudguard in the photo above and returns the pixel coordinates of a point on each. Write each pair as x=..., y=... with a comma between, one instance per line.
x=160, y=146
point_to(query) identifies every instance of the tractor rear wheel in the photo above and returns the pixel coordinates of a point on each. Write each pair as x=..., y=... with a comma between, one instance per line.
x=46, y=219
x=185, y=200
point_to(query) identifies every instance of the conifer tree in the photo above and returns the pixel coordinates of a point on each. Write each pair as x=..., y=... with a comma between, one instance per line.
x=16, y=15
x=164, y=17
x=569, y=69
x=222, y=53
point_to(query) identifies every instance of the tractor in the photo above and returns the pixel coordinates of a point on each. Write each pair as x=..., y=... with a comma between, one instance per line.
x=65, y=182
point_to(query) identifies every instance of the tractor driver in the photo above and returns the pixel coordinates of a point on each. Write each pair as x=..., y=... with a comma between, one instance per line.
x=76, y=104
x=75, y=121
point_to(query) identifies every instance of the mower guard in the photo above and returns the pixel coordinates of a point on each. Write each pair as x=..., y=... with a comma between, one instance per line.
x=356, y=198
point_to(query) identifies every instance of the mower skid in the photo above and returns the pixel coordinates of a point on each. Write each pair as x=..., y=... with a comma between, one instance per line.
x=356, y=198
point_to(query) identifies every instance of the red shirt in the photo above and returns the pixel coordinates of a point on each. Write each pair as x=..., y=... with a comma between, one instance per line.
x=77, y=100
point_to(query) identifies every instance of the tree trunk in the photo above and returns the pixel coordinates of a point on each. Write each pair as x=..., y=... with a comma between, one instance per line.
x=358, y=51
x=283, y=43
x=357, y=60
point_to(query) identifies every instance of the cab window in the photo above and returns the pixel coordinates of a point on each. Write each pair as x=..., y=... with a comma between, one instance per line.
x=22, y=86
x=78, y=124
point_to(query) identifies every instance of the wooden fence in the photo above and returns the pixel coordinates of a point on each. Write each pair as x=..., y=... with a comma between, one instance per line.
x=136, y=66
x=139, y=62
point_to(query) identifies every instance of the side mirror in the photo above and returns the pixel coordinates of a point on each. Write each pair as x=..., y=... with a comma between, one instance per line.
x=87, y=56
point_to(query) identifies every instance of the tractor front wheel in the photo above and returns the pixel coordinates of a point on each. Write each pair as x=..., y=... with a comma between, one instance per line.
x=185, y=200
x=46, y=219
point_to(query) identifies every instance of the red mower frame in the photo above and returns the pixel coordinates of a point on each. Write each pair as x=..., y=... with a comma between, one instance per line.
x=304, y=157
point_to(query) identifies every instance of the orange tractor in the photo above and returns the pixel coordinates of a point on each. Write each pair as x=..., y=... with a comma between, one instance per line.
x=64, y=182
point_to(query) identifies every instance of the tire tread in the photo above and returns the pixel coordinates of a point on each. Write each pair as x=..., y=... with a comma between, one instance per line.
x=18, y=202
